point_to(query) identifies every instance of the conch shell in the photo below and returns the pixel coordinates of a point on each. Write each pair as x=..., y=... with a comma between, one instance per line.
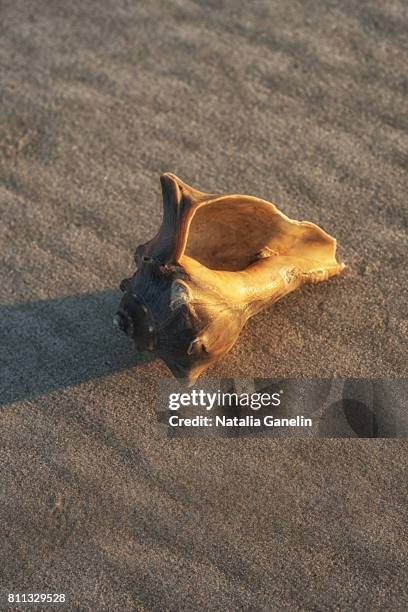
x=216, y=261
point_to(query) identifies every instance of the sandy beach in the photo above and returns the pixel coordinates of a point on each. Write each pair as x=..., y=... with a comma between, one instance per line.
x=301, y=103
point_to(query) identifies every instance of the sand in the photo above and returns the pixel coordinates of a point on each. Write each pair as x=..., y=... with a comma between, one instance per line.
x=303, y=104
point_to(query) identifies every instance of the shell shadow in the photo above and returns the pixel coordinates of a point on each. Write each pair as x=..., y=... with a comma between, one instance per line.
x=51, y=344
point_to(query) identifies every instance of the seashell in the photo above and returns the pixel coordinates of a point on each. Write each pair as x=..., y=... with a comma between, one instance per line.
x=216, y=261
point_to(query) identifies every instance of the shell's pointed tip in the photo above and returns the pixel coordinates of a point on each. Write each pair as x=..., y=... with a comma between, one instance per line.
x=188, y=380
x=167, y=177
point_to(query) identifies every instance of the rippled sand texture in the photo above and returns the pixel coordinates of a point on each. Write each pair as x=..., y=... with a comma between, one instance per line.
x=301, y=103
